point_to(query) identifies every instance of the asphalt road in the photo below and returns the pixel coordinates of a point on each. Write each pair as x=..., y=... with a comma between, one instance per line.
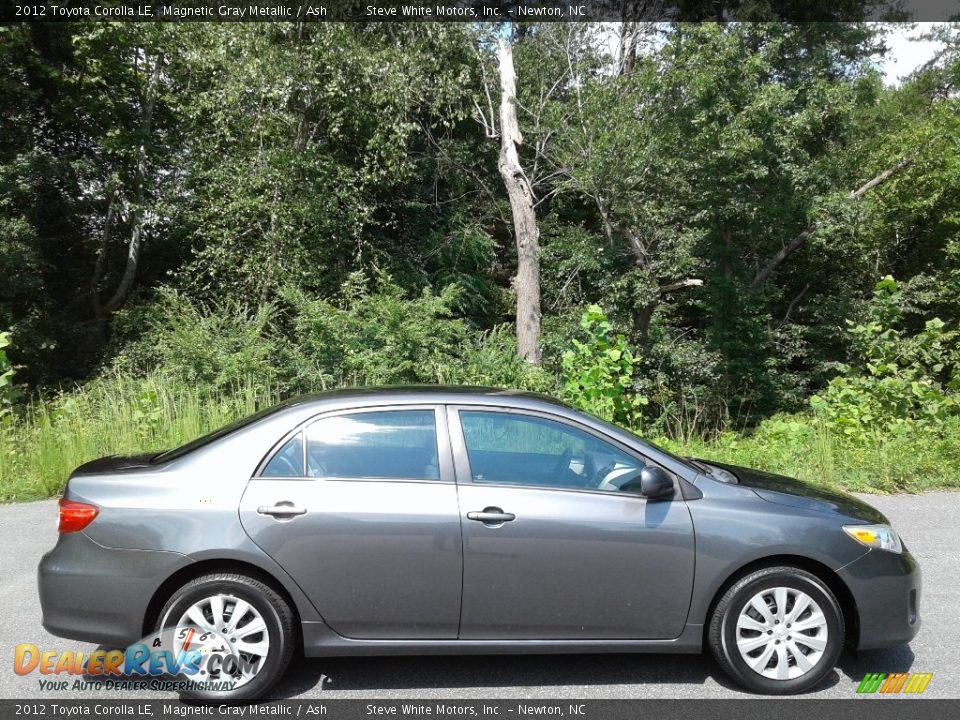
x=929, y=524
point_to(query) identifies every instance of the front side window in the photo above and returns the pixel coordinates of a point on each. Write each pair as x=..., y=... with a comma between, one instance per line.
x=510, y=448
x=393, y=444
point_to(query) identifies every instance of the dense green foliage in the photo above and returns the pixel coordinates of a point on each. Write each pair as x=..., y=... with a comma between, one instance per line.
x=8, y=391
x=196, y=219
x=886, y=426
x=119, y=414
x=903, y=383
x=597, y=374
x=373, y=333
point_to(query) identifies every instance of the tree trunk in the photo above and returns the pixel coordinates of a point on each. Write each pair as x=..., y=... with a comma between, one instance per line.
x=98, y=266
x=136, y=220
x=525, y=228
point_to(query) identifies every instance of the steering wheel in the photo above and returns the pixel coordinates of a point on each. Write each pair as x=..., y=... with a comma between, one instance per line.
x=289, y=470
x=602, y=474
x=563, y=464
x=315, y=468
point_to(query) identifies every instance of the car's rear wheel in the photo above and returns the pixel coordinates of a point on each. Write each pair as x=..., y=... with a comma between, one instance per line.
x=240, y=629
x=777, y=631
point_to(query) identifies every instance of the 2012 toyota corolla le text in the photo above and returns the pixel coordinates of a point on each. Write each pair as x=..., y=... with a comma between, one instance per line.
x=449, y=520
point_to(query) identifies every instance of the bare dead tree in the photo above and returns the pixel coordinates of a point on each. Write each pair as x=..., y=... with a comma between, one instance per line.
x=631, y=37
x=522, y=206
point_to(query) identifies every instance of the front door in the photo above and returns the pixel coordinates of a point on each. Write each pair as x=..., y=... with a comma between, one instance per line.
x=360, y=508
x=552, y=548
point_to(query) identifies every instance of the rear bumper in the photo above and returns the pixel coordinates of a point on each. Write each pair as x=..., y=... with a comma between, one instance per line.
x=886, y=590
x=97, y=594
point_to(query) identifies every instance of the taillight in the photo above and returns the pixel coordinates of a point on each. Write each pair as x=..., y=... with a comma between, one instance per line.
x=75, y=516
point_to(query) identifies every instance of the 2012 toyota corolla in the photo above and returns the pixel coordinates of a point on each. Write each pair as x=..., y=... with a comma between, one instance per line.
x=447, y=520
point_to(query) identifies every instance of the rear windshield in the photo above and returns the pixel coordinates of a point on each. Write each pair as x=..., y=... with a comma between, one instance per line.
x=215, y=435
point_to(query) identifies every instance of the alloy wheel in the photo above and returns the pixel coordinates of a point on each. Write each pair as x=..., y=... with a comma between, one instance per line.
x=239, y=631
x=781, y=633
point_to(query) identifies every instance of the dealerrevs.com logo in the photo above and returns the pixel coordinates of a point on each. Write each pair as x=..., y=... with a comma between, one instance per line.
x=180, y=659
x=894, y=683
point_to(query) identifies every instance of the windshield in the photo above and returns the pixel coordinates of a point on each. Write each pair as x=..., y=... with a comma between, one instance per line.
x=683, y=461
x=215, y=435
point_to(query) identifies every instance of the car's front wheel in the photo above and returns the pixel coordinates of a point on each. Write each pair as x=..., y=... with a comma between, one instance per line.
x=777, y=631
x=239, y=631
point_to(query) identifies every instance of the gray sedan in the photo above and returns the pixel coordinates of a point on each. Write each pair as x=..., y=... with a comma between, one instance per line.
x=450, y=520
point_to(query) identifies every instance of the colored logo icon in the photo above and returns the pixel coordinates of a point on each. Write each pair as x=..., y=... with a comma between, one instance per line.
x=894, y=683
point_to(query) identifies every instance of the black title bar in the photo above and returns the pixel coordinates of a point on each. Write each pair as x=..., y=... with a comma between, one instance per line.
x=489, y=11
x=439, y=709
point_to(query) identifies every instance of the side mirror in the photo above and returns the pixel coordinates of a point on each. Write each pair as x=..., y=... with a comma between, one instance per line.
x=653, y=483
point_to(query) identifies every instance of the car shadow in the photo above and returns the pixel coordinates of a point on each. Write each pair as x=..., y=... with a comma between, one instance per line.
x=372, y=674
x=369, y=675
x=889, y=660
x=442, y=672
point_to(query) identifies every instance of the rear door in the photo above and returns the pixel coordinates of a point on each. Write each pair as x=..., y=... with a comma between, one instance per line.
x=360, y=508
x=552, y=548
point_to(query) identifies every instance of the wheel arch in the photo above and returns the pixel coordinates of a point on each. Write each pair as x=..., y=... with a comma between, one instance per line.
x=203, y=567
x=848, y=605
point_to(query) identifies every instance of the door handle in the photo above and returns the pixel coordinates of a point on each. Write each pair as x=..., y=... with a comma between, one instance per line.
x=491, y=516
x=281, y=509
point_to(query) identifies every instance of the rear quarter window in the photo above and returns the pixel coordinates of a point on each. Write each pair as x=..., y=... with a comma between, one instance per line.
x=288, y=460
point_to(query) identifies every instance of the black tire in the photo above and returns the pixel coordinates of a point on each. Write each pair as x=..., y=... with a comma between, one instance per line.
x=276, y=613
x=723, y=629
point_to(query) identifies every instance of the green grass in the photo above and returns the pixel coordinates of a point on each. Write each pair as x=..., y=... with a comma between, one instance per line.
x=803, y=447
x=119, y=414
x=113, y=415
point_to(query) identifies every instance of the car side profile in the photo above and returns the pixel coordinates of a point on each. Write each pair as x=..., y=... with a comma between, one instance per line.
x=432, y=520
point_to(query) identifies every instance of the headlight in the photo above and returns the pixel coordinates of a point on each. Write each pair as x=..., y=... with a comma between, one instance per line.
x=881, y=537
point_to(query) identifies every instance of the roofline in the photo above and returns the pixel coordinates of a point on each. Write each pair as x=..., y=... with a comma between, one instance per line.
x=448, y=394
x=303, y=409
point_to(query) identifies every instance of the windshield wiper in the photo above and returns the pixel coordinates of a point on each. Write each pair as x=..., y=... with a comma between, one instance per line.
x=706, y=469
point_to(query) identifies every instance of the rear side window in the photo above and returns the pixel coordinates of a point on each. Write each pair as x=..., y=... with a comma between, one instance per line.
x=392, y=444
x=288, y=462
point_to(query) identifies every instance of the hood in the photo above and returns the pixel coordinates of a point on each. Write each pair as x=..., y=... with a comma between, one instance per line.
x=784, y=490
x=115, y=464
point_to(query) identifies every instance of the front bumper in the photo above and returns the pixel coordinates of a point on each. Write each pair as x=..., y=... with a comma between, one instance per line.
x=886, y=590
x=97, y=594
